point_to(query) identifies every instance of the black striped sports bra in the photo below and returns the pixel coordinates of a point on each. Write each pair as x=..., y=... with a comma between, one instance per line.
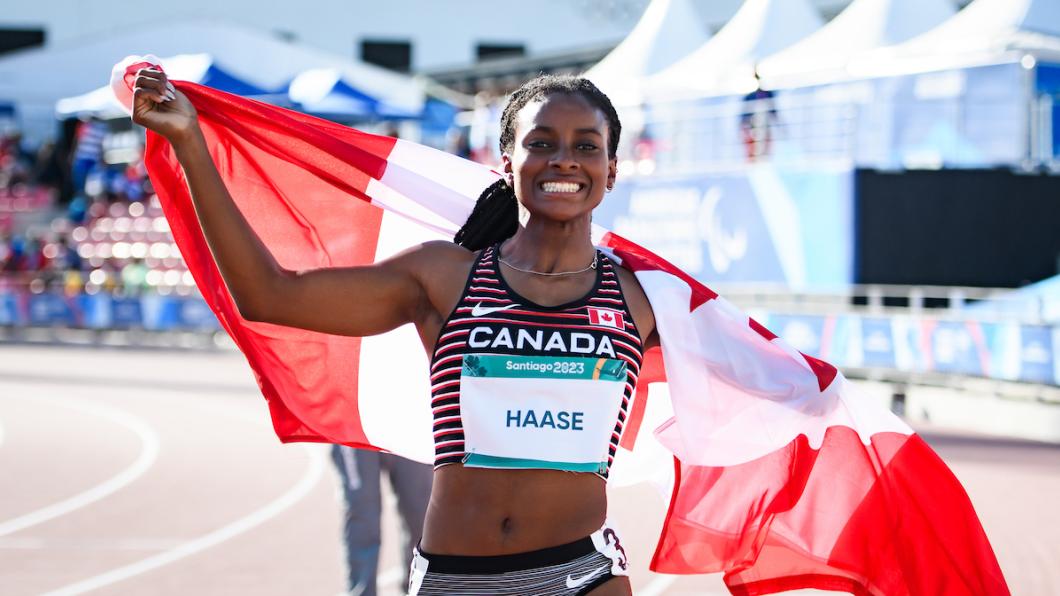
x=518, y=385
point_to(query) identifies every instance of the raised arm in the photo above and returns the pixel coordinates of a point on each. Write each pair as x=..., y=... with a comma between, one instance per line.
x=349, y=301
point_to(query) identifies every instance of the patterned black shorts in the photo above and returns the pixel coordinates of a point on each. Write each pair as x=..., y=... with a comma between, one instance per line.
x=575, y=568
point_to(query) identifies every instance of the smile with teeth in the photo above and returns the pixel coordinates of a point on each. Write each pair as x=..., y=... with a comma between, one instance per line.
x=560, y=186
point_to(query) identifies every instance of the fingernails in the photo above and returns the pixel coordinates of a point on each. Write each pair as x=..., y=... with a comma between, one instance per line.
x=170, y=96
x=171, y=87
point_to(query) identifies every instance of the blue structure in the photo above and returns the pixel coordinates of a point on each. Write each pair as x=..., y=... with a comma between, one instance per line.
x=760, y=224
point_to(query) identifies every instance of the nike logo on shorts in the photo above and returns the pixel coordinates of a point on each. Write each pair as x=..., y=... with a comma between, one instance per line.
x=480, y=310
x=574, y=583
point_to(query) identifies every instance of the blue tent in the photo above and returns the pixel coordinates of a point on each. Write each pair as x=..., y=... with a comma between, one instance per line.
x=336, y=94
x=222, y=80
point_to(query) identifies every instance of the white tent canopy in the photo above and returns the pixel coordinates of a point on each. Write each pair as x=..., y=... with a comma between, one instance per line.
x=101, y=102
x=36, y=79
x=863, y=25
x=667, y=31
x=986, y=31
x=724, y=64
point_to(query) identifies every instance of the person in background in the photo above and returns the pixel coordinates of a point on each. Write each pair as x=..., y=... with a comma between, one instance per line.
x=88, y=154
x=758, y=115
x=15, y=162
x=360, y=472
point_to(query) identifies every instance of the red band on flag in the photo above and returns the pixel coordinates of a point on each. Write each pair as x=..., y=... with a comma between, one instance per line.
x=872, y=533
x=309, y=378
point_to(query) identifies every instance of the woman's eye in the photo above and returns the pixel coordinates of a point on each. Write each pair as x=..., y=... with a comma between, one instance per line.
x=587, y=147
x=539, y=144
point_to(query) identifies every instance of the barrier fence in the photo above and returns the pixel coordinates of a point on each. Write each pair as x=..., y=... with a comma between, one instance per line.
x=150, y=312
x=1007, y=351
x=954, y=340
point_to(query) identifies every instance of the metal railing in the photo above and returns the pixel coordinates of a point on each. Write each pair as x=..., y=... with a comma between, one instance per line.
x=942, y=302
x=813, y=128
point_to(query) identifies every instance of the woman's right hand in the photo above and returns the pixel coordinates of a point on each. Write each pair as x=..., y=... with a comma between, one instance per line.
x=159, y=106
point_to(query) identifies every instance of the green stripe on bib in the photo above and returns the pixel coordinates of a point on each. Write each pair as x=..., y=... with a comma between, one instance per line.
x=543, y=367
x=476, y=460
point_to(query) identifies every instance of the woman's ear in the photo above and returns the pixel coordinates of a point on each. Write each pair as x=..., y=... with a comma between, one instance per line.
x=506, y=169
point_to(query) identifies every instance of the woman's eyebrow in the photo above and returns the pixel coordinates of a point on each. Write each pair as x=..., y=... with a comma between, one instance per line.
x=594, y=131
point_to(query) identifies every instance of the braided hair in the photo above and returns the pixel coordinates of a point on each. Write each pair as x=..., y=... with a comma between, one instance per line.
x=495, y=217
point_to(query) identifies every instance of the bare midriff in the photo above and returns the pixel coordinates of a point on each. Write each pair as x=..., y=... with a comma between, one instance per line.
x=479, y=511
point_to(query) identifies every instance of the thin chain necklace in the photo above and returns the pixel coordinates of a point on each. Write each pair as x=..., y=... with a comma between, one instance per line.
x=592, y=265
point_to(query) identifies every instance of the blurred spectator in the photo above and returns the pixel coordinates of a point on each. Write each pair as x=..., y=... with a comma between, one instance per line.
x=758, y=116
x=15, y=163
x=459, y=143
x=359, y=472
x=73, y=282
x=33, y=258
x=484, y=134
x=77, y=209
x=134, y=277
x=136, y=179
x=88, y=153
x=6, y=251
x=47, y=168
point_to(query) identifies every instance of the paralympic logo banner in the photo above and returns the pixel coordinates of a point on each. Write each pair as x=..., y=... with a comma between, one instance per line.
x=762, y=224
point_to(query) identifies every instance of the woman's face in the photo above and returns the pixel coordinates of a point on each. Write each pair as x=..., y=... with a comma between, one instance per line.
x=559, y=166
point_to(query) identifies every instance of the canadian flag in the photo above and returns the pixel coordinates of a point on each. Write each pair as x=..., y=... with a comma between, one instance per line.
x=606, y=317
x=784, y=476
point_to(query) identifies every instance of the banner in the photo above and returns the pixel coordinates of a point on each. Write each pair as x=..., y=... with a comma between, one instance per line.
x=762, y=224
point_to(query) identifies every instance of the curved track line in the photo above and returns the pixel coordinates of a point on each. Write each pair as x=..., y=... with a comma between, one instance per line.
x=148, y=454
x=312, y=475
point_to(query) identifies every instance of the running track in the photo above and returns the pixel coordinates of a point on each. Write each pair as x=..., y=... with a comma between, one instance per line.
x=148, y=472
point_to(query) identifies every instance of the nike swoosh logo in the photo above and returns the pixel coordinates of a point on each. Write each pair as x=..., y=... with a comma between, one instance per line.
x=480, y=310
x=574, y=583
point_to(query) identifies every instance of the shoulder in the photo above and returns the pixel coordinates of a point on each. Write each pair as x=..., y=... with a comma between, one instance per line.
x=637, y=303
x=436, y=253
x=439, y=263
x=631, y=288
x=440, y=270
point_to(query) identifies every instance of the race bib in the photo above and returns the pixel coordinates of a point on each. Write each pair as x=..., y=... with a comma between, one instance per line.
x=540, y=411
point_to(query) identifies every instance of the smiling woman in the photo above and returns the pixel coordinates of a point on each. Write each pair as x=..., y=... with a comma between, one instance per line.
x=534, y=528
x=535, y=338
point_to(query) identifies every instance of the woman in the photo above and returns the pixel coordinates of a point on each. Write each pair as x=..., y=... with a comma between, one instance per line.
x=535, y=340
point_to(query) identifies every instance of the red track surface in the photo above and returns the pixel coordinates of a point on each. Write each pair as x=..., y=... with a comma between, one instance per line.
x=137, y=472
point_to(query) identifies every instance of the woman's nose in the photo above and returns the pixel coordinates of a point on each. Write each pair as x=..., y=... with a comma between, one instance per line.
x=563, y=159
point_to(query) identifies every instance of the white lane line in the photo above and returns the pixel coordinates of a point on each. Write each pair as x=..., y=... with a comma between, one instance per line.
x=313, y=474
x=148, y=454
x=658, y=586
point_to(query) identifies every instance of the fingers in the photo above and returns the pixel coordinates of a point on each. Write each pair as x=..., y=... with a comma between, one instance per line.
x=153, y=83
